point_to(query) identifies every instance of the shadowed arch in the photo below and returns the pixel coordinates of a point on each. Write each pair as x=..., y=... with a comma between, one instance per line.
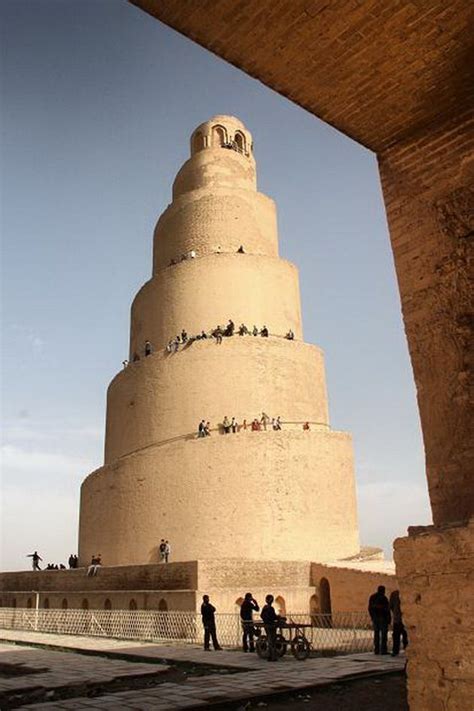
x=163, y=605
x=219, y=137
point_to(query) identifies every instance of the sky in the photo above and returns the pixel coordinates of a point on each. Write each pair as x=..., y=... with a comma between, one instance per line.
x=98, y=101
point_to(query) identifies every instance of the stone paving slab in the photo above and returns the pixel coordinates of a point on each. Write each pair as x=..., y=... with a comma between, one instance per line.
x=56, y=669
x=256, y=677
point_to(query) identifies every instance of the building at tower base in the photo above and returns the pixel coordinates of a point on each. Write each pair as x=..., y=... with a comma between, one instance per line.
x=298, y=586
x=270, y=510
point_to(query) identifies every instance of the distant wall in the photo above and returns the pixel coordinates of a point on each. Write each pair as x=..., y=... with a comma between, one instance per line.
x=349, y=589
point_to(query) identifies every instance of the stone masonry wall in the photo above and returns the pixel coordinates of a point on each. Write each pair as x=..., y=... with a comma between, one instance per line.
x=436, y=573
x=173, y=576
x=431, y=224
x=350, y=589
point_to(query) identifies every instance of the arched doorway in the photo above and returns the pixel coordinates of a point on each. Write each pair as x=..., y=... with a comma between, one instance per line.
x=46, y=603
x=314, y=609
x=64, y=604
x=280, y=605
x=85, y=604
x=325, y=598
x=163, y=605
x=218, y=136
x=107, y=604
x=239, y=140
x=198, y=142
x=132, y=605
x=29, y=603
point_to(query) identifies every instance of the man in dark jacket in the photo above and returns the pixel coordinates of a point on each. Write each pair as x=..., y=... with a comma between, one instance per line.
x=271, y=621
x=209, y=623
x=247, y=608
x=379, y=611
x=398, y=628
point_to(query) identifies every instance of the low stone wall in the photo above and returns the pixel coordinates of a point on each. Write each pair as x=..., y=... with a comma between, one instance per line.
x=435, y=568
x=170, y=576
x=238, y=573
x=349, y=588
x=296, y=585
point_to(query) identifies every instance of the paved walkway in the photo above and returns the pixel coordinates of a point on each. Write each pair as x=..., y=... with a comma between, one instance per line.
x=257, y=678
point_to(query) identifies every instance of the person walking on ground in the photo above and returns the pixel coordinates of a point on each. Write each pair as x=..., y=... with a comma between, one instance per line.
x=226, y=425
x=162, y=550
x=264, y=332
x=167, y=551
x=306, y=426
x=35, y=560
x=184, y=336
x=209, y=624
x=290, y=336
x=148, y=348
x=277, y=423
x=271, y=621
x=201, y=429
x=243, y=330
x=247, y=609
x=233, y=425
x=217, y=333
x=254, y=331
x=71, y=561
x=398, y=628
x=379, y=611
x=207, y=429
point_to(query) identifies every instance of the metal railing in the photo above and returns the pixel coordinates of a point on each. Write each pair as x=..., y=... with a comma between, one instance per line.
x=336, y=633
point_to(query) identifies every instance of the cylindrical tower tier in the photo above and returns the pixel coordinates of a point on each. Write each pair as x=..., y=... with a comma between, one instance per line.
x=165, y=396
x=273, y=494
x=219, y=221
x=199, y=294
x=260, y=495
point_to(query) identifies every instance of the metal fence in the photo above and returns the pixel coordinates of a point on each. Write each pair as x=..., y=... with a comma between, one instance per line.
x=336, y=633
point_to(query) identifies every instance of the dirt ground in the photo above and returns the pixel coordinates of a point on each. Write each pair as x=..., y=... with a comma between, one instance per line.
x=384, y=693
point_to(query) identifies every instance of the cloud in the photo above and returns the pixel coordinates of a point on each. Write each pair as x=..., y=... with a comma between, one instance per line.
x=386, y=509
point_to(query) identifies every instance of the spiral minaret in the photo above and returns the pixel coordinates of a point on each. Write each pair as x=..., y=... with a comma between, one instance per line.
x=269, y=495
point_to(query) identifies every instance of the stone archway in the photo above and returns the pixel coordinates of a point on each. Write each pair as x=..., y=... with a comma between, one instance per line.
x=325, y=597
x=314, y=609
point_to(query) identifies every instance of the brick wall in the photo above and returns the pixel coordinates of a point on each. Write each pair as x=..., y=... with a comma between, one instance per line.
x=429, y=194
x=436, y=572
x=349, y=589
x=172, y=576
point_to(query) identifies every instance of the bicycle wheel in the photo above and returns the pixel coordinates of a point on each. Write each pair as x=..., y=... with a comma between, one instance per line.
x=261, y=647
x=300, y=647
x=280, y=645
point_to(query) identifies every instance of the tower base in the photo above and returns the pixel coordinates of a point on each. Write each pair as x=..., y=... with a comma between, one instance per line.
x=298, y=586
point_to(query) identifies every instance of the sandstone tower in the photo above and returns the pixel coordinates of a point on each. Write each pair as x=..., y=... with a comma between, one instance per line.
x=269, y=495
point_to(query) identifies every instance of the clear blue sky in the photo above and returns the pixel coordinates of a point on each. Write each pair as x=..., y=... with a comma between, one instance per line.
x=98, y=103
